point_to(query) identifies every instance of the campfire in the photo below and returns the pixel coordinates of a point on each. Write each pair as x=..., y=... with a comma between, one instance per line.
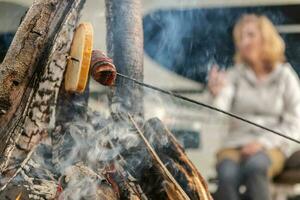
x=111, y=159
x=54, y=145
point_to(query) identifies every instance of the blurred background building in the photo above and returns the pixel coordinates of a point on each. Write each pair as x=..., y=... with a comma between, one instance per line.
x=182, y=40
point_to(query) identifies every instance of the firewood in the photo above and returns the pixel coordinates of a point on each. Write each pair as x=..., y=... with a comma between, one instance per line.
x=26, y=59
x=33, y=179
x=172, y=187
x=178, y=163
x=32, y=120
x=79, y=178
x=124, y=36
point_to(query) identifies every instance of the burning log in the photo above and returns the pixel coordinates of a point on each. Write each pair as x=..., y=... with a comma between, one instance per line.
x=33, y=116
x=172, y=175
x=45, y=36
x=173, y=189
x=176, y=160
x=20, y=73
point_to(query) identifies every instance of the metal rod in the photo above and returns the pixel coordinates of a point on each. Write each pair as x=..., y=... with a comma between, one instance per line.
x=209, y=107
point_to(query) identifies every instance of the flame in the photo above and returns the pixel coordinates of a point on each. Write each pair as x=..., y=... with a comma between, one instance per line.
x=19, y=196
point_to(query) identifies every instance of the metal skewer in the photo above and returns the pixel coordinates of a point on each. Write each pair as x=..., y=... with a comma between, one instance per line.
x=208, y=107
x=104, y=72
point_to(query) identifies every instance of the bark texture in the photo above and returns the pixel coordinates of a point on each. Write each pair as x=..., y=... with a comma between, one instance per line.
x=30, y=43
x=176, y=160
x=125, y=46
x=38, y=90
x=35, y=115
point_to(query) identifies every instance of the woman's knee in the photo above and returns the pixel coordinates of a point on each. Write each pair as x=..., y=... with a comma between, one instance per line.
x=228, y=171
x=257, y=164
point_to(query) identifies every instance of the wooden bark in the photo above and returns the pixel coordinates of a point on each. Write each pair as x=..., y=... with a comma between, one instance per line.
x=177, y=162
x=26, y=53
x=33, y=179
x=21, y=59
x=35, y=113
x=173, y=189
x=125, y=46
x=40, y=99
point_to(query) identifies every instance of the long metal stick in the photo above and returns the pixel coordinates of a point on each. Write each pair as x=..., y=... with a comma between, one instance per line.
x=209, y=107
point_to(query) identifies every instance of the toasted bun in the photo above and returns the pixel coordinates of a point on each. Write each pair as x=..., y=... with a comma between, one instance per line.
x=77, y=73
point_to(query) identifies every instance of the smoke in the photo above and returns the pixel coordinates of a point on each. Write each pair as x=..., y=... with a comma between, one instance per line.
x=76, y=162
x=84, y=150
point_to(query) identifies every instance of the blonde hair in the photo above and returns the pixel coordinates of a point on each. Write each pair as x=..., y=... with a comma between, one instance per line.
x=273, y=47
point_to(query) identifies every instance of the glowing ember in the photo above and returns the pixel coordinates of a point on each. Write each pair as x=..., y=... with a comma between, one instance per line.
x=19, y=196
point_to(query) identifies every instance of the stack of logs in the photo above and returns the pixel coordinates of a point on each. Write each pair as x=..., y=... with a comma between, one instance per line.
x=34, y=145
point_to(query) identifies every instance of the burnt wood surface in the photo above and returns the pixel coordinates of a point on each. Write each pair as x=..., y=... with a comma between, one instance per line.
x=176, y=161
x=37, y=59
x=32, y=71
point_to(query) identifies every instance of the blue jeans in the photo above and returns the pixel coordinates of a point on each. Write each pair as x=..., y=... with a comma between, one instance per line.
x=251, y=172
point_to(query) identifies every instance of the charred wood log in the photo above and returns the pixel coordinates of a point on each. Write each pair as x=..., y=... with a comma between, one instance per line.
x=176, y=161
x=38, y=87
x=79, y=176
x=26, y=57
x=159, y=164
x=34, y=179
x=170, y=184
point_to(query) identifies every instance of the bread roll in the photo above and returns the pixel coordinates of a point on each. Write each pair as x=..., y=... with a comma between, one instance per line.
x=77, y=73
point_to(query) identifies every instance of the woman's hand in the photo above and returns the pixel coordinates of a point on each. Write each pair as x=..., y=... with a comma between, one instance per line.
x=216, y=81
x=251, y=149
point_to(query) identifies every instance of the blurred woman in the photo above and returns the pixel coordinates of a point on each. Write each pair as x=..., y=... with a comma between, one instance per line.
x=264, y=89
